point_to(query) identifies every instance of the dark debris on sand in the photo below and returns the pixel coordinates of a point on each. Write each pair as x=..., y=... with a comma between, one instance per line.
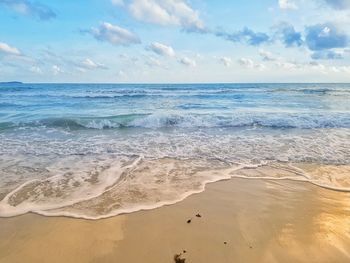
x=179, y=259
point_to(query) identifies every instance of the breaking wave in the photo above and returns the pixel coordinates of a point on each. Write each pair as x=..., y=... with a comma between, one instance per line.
x=153, y=121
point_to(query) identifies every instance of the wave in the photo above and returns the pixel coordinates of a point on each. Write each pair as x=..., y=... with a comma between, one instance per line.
x=312, y=90
x=9, y=105
x=191, y=106
x=158, y=121
x=135, y=183
x=119, y=96
x=14, y=88
x=239, y=92
x=87, y=97
x=110, y=122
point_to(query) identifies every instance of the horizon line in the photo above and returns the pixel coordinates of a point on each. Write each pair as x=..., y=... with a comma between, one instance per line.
x=168, y=83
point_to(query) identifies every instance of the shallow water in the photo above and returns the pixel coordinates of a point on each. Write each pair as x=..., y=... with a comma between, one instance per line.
x=91, y=150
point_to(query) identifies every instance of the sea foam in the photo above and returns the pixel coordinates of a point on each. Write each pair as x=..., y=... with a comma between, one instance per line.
x=94, y=151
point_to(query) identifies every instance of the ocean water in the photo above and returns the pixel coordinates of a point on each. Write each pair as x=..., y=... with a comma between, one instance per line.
x=98, y=150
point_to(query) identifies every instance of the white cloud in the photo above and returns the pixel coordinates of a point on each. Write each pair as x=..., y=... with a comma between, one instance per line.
x=114, y=34
x=313, y=66
x=56, y=70
x=7, y=49
x=325, y=32
x=267, y=56
x=89, y=64
x=166, y=12
x=188, y=62
x=161, y=49
x=288, y=65
x=36, y=70
x=287, y=4
x=225, y=61
x=153, y=62
x=249, y=63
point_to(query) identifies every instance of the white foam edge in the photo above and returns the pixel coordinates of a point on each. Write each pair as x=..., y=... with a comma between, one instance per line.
x=46, y=212
x=5, y=207
x=183, y=197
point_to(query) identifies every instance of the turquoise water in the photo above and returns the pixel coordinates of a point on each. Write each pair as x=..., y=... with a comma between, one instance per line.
x=74, y=106
x=63, y=146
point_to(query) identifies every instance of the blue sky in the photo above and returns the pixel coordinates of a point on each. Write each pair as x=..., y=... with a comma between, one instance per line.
x=175, y=41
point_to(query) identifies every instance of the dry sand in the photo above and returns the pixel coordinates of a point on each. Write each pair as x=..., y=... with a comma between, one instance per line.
x=260, y=221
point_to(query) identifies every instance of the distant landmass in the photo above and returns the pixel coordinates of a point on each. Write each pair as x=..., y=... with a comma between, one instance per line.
x=11, y=82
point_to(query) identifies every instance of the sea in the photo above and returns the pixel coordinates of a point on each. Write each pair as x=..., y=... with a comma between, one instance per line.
x=99, y=150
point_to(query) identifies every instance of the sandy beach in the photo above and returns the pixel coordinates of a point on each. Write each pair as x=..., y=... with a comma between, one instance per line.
x=242, y=220
x=175, y=131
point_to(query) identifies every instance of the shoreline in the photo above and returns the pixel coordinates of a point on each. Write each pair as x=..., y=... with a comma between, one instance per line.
x=42, y=214
x=260, y=221
x=311, y=173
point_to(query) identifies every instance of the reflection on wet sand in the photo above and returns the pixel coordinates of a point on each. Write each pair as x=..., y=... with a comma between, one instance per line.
x=241, y=221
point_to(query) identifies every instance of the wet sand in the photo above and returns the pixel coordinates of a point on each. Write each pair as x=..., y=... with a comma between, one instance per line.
x=260, y=221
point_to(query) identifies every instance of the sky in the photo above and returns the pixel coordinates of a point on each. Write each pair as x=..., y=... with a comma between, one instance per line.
x=174, y=41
